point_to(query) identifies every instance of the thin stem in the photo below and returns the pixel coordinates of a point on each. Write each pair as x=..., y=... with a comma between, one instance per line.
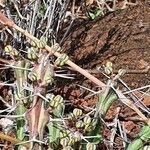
x=140, y=88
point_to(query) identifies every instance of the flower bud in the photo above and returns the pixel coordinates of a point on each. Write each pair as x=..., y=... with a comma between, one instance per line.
x=68, y=132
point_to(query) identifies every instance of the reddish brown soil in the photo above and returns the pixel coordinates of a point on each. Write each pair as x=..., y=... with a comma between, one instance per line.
x=122, y=37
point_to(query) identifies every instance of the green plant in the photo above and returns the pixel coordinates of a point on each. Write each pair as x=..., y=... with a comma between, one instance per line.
x=142, y=138
x=95, y=13
x=34, y=75
x=96, y=8
x=41, y=109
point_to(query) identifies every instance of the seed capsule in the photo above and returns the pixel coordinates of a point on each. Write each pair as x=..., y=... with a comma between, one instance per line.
x=88, y=128
x=56, y=47
x=60, y=61
x=8, y=48
x=48, y=81
x=32, y=76
x=71, y=141
x=60, y=108
x=44, y=40
x=87, y=120
x=34, y=43
x=109, y=64
x=52, y=103
x=32, y=50
x=14, y=52
x=94, y=123
x=71, y=116
x=40, y=44
x=56, y=104
x=108, y=68
x=121, y=72
x=79, y=124
x=77, y=136
x=147, y=147
x=64, y=142
x=11, y=51
x=63, y=134
x=77, y=112
x=90, y=146
x=58, y=99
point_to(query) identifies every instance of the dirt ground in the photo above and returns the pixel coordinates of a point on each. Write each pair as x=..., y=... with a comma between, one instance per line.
x=122, y=37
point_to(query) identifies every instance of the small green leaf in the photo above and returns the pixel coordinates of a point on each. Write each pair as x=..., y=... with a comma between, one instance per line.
x=95, y=13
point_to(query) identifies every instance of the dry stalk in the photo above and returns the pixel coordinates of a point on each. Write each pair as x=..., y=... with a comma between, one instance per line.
x=7, y=22
x=13, y=140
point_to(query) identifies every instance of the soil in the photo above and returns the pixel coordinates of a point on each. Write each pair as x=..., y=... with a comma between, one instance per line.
x=122, y=37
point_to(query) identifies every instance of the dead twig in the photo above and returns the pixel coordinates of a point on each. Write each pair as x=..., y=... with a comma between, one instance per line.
x=13, y=140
